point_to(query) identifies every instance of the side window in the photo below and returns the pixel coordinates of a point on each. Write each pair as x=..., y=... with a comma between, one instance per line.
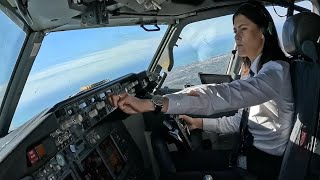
x=306, y=4
x=11, y=40
x=204, y=46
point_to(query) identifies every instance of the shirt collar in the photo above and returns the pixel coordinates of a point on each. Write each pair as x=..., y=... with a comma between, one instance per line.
x=253, y=66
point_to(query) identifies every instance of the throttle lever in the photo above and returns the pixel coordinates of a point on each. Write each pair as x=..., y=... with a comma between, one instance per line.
x=172, y=131
x=175, y=134
x=185, y=126
x=168, y=125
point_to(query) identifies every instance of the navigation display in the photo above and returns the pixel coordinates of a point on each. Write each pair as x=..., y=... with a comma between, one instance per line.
x=112, y=156
x=69, y=177
x=94, y=168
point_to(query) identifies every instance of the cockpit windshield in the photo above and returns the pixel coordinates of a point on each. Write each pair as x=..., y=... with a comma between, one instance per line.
x=70, y=60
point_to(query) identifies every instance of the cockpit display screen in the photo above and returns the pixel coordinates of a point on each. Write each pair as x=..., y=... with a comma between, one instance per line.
x=68, y=177
x=94, y=168
x=112, y=156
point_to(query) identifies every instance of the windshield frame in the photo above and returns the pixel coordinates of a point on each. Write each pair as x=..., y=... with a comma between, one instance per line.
x=6, y=8
x=6, y=108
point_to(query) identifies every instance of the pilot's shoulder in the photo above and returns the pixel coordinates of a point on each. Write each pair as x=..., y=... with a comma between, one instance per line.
x=276, y=65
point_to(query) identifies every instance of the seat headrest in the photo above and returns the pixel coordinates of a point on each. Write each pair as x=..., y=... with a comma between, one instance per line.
x=300, y=35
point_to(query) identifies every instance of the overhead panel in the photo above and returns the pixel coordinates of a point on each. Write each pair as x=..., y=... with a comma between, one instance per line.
x=142, y=5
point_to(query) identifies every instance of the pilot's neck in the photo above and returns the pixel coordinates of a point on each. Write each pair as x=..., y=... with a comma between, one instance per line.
x=254, y=64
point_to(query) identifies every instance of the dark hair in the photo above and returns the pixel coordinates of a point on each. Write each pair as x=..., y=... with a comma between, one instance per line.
x=259, y=15
x=246, y=62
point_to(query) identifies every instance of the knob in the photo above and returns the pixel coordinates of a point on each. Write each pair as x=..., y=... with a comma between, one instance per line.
x=48, y=168
x=93, y=141
x=60, y=159
x=51, y=177
x=100, y=105
x=93, y=113
x=207, y=177
x=73, y=148
x=57, y=167
x=64, y=126
x=77, y=119
x=96, y=136
x=41, y=173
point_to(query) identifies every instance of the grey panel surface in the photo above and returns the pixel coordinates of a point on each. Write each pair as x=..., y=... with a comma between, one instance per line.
x=135, y=126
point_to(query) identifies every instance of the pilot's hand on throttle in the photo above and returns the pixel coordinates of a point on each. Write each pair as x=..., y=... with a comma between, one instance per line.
x=193, y=123
x=130, y=104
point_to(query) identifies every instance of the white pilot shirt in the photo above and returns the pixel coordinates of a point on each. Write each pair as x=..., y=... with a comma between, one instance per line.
x=268, y=94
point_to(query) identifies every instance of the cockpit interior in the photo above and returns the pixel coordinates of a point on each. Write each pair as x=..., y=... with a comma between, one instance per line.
x=61, y=59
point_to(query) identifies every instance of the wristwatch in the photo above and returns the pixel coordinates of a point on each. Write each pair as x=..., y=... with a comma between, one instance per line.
x=157, y=100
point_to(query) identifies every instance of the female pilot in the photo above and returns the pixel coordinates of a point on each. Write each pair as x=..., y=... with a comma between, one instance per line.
x=267, y=94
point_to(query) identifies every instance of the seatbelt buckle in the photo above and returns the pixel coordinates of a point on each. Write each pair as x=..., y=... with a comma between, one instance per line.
x=242, y=162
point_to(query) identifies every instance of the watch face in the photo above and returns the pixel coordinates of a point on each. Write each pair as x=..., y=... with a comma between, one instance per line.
x=157, y=100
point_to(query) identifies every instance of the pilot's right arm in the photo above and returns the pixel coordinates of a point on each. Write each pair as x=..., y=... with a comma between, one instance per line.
x=210, y=99
x=224, y=124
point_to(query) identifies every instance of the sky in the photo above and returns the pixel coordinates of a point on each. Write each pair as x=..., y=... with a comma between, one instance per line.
x=72, y=59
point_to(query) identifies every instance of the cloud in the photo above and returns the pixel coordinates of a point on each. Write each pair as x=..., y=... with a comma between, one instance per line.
x=203, y=32
x=203, y=36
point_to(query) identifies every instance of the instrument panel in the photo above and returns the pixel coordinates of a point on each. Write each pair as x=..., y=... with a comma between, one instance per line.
x=113, y=155
x=85, y=137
